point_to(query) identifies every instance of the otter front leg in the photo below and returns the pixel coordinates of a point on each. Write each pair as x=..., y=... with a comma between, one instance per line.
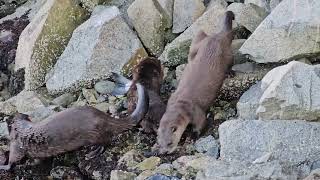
x=15, y=155
x=199, y=120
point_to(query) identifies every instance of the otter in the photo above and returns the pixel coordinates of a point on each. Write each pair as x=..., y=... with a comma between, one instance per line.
x=149, y=73
x=69, y=130
x=209, y=60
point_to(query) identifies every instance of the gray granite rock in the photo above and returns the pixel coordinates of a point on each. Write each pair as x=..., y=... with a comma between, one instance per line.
x=248, y=15
x=290, y=91
x=292, y=141
x=185, y=12
x=151, y=22
x=102, y=44
x=281, y=35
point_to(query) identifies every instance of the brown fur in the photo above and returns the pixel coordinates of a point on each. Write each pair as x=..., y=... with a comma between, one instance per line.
x=209, y=60
x=69, y=130
x=149, y=73
x=65, y=131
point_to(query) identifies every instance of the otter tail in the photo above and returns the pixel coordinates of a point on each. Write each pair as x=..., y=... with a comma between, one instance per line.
x=227, y=26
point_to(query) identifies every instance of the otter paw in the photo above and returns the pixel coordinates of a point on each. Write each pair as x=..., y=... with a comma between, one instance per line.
x=97, y=151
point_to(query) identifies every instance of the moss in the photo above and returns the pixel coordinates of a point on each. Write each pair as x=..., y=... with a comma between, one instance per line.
x=63, y=17
x=178, y=55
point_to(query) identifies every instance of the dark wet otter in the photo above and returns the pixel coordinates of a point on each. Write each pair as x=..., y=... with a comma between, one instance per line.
x=209, y=60
x=149, y=74
x=69, y=130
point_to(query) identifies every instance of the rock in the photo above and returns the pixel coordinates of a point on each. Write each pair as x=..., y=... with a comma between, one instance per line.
x=149, y=164
x=248, y=102
x=176, y=52
x=153, y=37
x=305, y=60
x=247, y=67
x=102, y=106
x=130, y=159
x=185, y=12
x=285, y=94
x=314, y=175
x=41, y=113
x=91, y=4
x=104, y=87
x=274, y=3
x=261, y=3
x=54, y=23
x=167, y=6
x=61, y=172
x=123, y=6
x=224, y=170
x=247, y=15
x=263, y=159
x=122, y=175
x=290, y=33
x=208, y=145
x=161, y=177
x=165, y=169
x=179, y=71
x=32, y=7
x=90, y=95
x=217, y=4
x=4, y=131
x=183, y=162
x=238, y=57
x=104, y=41
x=292, y=141
x=8, y=107
x=234, y=86
x=145, y=174
x=8, y=7
x=25, y=101
x=64, y=100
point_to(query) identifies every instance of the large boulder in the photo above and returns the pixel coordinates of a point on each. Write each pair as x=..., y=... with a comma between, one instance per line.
x=290, y=91
x=290, y=31
x=185, y=12
x=176, y=52
x=44, y=39
x=294, y=142
x=167, y=6
x=248, y=15
x=102, y=44
x=25, y=101
x=261, y=3
x=208, y=168
x=151, y=22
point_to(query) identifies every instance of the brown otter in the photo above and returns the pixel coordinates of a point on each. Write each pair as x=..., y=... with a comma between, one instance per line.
x=210, y=58
x=69, y=130
x=149, y=74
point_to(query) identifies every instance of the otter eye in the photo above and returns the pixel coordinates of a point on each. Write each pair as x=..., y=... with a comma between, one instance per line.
x=173, y=129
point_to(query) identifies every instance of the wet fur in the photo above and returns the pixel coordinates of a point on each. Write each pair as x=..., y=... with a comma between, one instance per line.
x=66, y=131
x=149, y=73
x=209, y=60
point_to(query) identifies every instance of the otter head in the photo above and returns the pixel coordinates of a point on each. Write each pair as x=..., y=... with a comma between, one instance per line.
x=172, y=125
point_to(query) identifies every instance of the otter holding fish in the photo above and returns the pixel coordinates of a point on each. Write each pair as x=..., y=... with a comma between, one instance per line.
x=209, y=60
x=70, y=129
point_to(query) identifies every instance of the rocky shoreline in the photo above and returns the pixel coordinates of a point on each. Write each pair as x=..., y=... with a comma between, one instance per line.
x=58, y=54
